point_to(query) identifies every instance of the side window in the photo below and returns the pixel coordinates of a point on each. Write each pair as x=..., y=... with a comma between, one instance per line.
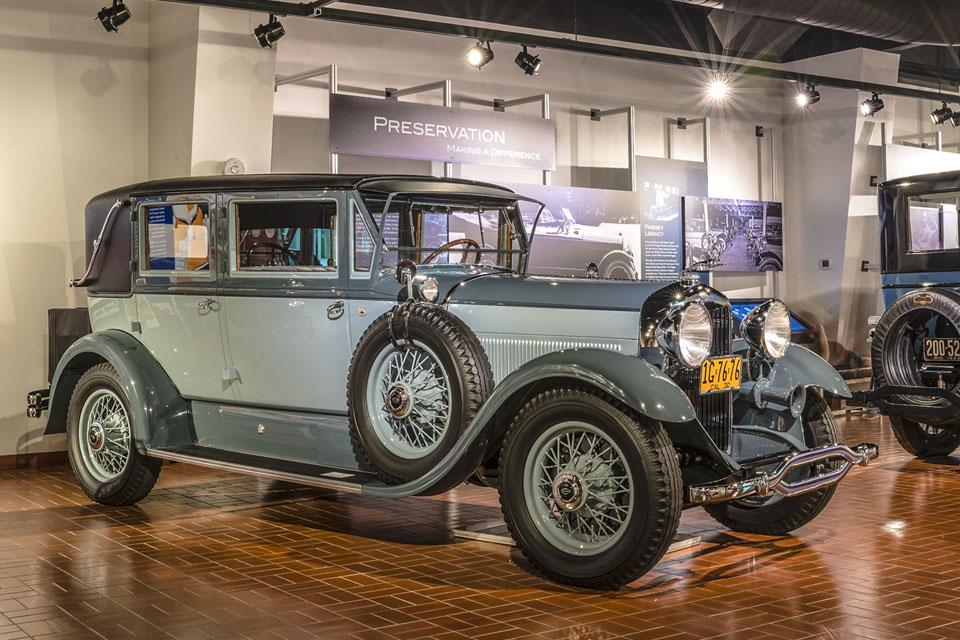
x=286, y=236
x=933, y=223
x=362, y=242
x=176, y=236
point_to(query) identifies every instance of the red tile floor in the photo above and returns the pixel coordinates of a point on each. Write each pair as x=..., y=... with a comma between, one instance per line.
x=214, y=555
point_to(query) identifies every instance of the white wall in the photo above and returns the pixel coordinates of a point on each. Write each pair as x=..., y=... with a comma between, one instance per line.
x=73, y=123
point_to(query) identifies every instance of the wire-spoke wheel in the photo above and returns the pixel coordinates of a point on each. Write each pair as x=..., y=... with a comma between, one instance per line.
x=104, y=435
x=100, y=441
x=579, y=488
x=408, y=397
x=417, y=378
x=590, y=491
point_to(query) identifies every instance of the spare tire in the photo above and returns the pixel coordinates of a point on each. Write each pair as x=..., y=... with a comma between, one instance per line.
x=417, y=378
x=896, y=350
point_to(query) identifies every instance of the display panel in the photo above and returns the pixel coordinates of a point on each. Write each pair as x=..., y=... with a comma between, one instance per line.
x=732, y=235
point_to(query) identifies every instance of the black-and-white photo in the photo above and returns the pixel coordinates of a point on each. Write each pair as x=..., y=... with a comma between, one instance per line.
x=732, y=235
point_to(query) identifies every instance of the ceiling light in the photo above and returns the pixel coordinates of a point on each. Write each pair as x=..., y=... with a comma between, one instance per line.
x=871, y=105
x=267, y=34
x=955, y=119
x=479, y=54
x=718, y=89
x=113, y=16
x=528, y=63
x=807, y=96
x=941, y=115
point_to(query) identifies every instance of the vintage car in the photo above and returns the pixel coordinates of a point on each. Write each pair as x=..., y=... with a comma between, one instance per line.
x=915, y=346
x=326, y=330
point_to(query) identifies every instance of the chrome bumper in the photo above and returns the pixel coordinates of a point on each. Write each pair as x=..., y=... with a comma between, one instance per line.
x=766, y=484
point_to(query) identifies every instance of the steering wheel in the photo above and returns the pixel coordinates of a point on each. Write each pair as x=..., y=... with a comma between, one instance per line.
x=468, y=242
x=275, y=251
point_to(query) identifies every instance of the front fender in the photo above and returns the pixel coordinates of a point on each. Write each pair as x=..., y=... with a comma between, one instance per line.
x=160, y=414
x=629, y=379
x=800, y=367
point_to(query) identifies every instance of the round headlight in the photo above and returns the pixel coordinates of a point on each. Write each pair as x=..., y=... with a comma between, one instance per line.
x=694, y=335
x=767, y=328
x=776, y=330
x=429, y=289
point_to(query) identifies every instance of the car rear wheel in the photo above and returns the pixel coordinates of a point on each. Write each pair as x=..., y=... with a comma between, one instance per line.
x=417, y=378
x=776, y=514
x=100, y=441
x=590, y=492
x=924, y=440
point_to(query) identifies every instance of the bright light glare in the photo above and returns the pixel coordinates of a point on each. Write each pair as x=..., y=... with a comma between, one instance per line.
x=474, y=56
x=718, y=89
x=802, y=100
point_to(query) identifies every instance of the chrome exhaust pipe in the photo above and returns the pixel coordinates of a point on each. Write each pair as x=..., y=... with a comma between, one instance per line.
x=766, y=484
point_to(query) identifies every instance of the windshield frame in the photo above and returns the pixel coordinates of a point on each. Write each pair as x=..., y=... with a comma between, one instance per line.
x=509, y=206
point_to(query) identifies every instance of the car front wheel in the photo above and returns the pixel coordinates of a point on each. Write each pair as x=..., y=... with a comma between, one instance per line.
x=100, y=441
x=590, y=492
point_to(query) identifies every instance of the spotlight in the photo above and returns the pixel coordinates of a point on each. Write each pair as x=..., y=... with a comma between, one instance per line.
x=113, y=16
x=479, y=54
x=955, y=119
x=267, y=34
x=872, y=105
x=807, y=97
x=718, y=89
x=528, y=63
x=941, y=115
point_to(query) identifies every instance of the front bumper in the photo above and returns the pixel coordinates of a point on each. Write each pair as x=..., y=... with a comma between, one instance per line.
x=766, y=484
x=891, y=400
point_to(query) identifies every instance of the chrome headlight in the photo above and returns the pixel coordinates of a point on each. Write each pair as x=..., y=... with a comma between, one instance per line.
x=767, y=328
x=687, y=335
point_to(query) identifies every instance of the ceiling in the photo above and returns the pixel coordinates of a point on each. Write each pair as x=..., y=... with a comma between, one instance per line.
x=684, y=26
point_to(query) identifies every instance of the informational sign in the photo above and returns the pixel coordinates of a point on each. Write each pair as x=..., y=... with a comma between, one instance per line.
x=395, y=129
x=733, y=235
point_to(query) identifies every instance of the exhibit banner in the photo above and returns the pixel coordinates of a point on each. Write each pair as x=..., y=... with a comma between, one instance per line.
x=394, y=129
x=735, y=235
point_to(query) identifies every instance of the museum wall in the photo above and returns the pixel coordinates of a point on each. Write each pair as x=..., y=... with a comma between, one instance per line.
x=73, y=123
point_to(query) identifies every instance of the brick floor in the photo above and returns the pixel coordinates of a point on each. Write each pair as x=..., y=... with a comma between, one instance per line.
x=213, y=555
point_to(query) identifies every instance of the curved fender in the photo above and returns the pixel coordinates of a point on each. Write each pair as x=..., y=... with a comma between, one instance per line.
x=802, y=367
x=160, y=415
x=630, y=379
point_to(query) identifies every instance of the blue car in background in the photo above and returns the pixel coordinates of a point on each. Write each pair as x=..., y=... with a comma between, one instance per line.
x=916, y=343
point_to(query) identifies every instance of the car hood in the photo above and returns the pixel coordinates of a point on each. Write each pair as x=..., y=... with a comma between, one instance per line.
x=509, y=289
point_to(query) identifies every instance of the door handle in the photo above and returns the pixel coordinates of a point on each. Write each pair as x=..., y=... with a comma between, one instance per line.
x=335, y=311
x=207, y=305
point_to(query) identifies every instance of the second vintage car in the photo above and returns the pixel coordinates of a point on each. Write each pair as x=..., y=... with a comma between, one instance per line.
x=334, y=331
x=915, y=346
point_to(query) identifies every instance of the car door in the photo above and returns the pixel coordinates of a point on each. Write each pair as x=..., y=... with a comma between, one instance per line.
x=175, y=287
x=288, y=336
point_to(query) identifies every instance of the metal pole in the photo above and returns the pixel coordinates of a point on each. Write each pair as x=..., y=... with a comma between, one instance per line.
x=939, y=140
x=334, y=157
x=883, y=150
x=632, y=146
x=447, y=102
x=545, y=111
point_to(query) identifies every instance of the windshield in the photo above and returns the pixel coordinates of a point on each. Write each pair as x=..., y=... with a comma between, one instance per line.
x=445, y=233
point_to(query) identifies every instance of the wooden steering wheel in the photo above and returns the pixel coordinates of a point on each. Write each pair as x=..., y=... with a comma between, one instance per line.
x=468, y=242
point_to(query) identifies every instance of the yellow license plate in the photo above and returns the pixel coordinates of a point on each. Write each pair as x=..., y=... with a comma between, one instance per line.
x=720, y=374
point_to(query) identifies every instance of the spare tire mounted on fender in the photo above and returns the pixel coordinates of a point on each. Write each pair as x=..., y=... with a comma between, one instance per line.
x=417, y=378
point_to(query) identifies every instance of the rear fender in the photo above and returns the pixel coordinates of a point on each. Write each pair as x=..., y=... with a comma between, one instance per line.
x=161, y=417
x=629, y=379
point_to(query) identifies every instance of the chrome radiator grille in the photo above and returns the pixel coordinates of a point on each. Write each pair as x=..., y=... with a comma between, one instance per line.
x=715, y=411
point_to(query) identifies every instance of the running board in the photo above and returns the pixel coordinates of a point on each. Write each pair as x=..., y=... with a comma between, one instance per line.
x=270, y=468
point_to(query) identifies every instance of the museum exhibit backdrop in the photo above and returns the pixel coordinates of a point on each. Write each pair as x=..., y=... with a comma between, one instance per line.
x=626, y=234
x=732, y=235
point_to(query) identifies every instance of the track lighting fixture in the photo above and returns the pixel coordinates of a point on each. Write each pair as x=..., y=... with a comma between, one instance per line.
x=807, y=96
x=267, y=34
x=479, y=54
x=113, y=16
x=871, y=105
x=528, y=63
x=941, y=115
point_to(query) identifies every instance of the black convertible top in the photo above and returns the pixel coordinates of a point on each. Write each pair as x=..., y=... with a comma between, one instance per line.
x=288, y=181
